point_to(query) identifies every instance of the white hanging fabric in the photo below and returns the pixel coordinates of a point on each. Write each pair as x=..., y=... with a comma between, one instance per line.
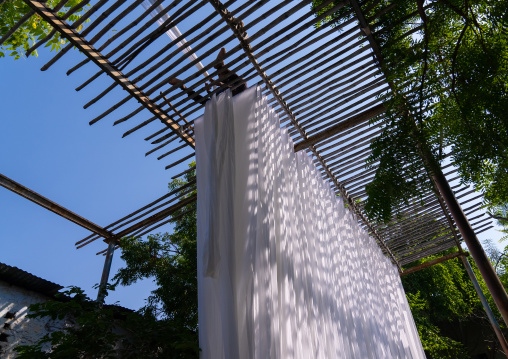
x=173, y=32
x=284, y=270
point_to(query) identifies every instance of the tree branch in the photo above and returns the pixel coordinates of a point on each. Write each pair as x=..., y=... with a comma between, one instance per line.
x=423, y=16
x=457, y=10
x=503, y=254
x=454, y=59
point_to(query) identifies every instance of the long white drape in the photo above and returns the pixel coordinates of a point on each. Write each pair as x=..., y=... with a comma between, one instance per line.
x=284, y=270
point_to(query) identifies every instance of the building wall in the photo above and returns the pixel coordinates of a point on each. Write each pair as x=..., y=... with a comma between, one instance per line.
x=15, y=327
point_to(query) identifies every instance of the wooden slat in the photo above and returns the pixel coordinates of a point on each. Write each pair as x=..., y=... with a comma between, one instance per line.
x=77, y=40
x=340, y=127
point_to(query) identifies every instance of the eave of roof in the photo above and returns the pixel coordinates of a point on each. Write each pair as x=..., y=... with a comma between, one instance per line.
x=23, y=279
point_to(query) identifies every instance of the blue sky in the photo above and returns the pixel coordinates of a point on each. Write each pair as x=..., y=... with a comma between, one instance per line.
x=47, y=145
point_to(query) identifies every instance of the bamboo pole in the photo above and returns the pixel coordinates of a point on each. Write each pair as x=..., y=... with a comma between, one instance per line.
x=182, y=58
x=96, y=7
x=129, y=219
x=147, y=208
x=301, y=87
x=432, y=263
x=287, y=52
x=340, y=127
x=133, y=51
x=336, y=92
x=361, y=129
x=427, y=250
x=157, y=133
x=160, y=146
x=319, y=89
x=128, y=41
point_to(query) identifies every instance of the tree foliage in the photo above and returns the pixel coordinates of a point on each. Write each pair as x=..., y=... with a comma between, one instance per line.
x=445, y=304
x=447, y=62
x=34, y=29
x=171, y=259
x=95, y=331
x=440, y=294
x=166, y=327
x=500, y=213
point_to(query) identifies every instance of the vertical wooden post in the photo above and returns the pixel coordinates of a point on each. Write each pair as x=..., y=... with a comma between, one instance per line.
x=473, y=244
x=105, y=272
x=490, y=315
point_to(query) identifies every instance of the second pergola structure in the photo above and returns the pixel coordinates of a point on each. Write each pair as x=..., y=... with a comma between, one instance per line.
x=324, y=81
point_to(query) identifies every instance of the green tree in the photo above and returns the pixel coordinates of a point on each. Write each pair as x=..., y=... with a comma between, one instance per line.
x=171, y=259
x=447, y=63
x=95, y=331
x=449, y=316
x=34, y=29
x=437, y=295
x=166, y=327
x=500, y=213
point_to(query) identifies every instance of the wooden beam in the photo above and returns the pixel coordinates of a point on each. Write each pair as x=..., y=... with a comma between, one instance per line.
x=432, y=262
x=340, y=127
x=84, y=46
x=157, y=216
x=52, y=206
x=101, y=294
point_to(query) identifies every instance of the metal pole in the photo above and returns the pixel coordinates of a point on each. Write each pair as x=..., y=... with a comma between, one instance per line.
x=486, y=306
x=105, y=272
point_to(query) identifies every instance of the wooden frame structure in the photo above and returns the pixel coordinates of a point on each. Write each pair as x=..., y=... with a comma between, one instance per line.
x=324, y=82
x=338, y=140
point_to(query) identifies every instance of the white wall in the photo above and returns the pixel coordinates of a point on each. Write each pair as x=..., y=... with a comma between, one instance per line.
x=21, y=330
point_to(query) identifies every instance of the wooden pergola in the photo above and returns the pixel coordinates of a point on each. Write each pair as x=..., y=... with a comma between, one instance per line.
x=324, y=81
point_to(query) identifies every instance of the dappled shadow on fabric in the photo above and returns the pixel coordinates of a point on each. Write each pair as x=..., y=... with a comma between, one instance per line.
x=284, y=270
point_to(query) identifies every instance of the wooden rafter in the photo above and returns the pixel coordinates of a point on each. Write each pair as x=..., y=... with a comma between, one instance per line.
x=432, y=263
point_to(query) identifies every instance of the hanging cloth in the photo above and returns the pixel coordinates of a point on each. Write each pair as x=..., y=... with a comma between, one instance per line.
x=284, y=269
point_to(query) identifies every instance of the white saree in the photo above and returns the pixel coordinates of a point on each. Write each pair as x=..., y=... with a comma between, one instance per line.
x=284, y=270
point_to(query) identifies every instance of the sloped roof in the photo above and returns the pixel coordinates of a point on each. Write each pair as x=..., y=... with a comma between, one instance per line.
x=21, y=278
